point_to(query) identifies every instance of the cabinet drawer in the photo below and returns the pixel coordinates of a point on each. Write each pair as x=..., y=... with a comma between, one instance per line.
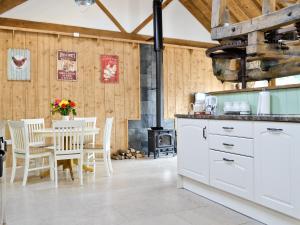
x=231, y=128
x=232, y=173
x=236, y=145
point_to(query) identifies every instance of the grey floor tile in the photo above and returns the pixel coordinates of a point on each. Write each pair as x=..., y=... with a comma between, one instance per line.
x=140, y=192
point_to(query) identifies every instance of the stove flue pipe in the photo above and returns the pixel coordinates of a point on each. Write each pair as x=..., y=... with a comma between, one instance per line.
x=158, y=48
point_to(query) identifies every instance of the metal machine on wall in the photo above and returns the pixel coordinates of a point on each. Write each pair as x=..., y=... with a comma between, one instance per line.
x=261, y=48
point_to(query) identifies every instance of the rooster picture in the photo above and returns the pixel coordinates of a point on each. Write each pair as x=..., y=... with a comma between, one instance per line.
x=110, y=71
x=110, y=68
x=19, y=62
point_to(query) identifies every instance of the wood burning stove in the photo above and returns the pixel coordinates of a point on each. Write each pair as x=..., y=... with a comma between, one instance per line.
x=161, y=141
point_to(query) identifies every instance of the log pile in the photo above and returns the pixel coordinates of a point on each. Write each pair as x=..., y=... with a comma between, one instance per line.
x=131, y=153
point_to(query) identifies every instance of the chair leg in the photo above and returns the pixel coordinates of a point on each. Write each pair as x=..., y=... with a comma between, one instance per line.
x=94, y=163
x=88, y=158
x=55, y=172
x=80, y=163
x=51, y=165
x=26, y=168
x=106, y=165
x=37, y=164
x=14, y=168
x=109, y=163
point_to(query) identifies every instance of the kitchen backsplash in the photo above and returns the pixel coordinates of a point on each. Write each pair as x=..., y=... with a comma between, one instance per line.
x=283, y=101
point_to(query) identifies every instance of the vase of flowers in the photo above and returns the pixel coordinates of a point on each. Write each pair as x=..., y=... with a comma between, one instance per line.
x=64, y=107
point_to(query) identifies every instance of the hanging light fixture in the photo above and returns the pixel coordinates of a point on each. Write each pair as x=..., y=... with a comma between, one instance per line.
x=85, y=2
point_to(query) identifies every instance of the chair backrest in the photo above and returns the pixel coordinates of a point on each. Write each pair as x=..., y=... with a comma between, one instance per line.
x=2, y=128
x=19, y=136
x=68, y=137
x=32, y=125
x=107, y=133
x=90, y=122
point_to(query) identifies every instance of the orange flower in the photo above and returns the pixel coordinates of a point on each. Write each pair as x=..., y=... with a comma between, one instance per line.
x=63, y=106
x=72, y=104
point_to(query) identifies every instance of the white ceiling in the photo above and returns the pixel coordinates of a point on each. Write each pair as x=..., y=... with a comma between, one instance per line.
x=177, y=21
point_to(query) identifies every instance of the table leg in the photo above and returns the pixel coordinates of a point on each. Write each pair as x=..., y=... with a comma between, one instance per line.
x=67, y=164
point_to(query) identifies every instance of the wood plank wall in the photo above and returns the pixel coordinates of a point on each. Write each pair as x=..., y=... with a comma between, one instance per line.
x=31, y=99
x=186, y=71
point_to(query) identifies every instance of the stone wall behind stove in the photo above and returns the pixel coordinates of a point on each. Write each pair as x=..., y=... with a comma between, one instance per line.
x=137, y=130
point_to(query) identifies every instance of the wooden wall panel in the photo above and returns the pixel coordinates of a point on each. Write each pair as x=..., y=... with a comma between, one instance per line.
x=31, y=99
x=186, y=71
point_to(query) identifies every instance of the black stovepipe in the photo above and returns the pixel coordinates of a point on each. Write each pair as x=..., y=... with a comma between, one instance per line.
x=158, y=48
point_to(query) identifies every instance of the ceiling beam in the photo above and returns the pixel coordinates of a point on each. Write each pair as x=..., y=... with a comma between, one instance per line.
x=111, y=17
x=149, y=18
x=203, y=16
x=6, y=5
x=50, y=28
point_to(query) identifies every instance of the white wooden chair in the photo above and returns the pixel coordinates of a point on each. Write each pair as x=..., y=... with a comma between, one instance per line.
x=21, y=149
x=2, y=128
x=90, y=122
x=68, y=144
x=104, y=150
x=32, y=125
x=3, y=124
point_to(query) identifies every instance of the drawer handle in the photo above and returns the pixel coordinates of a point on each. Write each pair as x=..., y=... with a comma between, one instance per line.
x=229, y=145
x=275, y=129
x=228, y=128
x=204, y=133
x=228, y=160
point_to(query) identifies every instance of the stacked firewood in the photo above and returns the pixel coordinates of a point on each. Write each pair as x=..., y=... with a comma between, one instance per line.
x=131, y=153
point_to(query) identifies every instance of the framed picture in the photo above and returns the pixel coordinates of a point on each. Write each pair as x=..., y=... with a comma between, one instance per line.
x=109, y=68
x=18, y=64
x=66, y=65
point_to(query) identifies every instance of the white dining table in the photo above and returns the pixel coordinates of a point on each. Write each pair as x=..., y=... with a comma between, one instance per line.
x=49, y=133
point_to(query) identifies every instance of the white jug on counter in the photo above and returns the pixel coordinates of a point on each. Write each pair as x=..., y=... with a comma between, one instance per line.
x=264, y=103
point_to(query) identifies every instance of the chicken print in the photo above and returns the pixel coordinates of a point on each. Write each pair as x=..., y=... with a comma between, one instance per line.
x=109, y=71
x=109, y=68
x=19, y=62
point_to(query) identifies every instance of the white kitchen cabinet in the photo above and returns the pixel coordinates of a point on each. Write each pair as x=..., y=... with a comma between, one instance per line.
x=231, y=128
x=192, y=145
x=277, y=166
x=232, y=173
x=235, y=145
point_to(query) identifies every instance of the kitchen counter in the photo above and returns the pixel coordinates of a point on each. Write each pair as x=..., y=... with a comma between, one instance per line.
x=271, y=118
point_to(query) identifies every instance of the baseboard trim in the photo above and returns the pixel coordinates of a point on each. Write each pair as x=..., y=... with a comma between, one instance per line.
x=248, y=208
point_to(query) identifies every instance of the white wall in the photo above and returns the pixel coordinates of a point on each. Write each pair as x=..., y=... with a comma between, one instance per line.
x=62, y=12
x=177, y=21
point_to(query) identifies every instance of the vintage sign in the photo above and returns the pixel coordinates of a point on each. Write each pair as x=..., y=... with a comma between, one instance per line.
x=66, y=65
x=109, y=68
x=18, y=64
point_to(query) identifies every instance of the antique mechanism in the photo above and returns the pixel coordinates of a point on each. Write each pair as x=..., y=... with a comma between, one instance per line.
x=85, y=2
x=261, y=48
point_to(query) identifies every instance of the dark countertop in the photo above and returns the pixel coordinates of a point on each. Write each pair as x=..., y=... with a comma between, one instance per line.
x=271, y=118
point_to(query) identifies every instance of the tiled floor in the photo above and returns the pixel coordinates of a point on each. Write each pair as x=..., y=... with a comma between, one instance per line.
x=141, y=192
